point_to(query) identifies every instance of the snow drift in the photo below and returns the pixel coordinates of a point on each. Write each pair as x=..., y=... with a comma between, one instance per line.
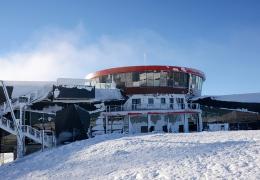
x=228, y=155
x=243, y=98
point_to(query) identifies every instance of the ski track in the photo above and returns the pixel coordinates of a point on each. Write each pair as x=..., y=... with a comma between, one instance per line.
x=206, y=155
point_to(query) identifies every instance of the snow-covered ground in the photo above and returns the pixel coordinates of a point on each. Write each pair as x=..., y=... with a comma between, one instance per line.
x=206, y=155
x=243, y=98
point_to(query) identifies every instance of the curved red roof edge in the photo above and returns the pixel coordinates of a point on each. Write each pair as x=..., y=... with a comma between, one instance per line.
x=127, y=69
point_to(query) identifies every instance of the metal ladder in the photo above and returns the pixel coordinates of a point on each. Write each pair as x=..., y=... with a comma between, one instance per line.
x=14, y=127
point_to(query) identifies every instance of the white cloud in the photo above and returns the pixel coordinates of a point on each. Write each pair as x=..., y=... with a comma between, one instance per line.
x=60, y=53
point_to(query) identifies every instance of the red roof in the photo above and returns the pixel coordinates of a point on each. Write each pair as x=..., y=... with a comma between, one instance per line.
x=146, y=68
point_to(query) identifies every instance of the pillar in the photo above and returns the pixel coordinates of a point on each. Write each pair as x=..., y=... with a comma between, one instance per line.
x=106, y=124
x=186, y=123
x=168, y=124
x=163, y=120
x=149, y=121
x=129, y=125
x=200, y=123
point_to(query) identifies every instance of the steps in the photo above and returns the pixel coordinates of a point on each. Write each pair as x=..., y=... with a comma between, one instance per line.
x=27, y=131
x=14, y=127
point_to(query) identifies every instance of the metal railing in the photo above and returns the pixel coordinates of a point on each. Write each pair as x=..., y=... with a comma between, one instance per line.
x=7, y=125
x=140, y=107
x=41, y=137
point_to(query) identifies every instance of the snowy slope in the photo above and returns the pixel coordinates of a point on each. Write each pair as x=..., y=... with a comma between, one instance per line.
x=203, y=155
x=244, y=98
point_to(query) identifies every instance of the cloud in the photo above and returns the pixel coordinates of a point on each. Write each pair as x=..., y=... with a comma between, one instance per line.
x=54, y=53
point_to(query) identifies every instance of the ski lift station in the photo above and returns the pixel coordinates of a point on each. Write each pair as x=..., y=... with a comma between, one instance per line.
x=130, y=100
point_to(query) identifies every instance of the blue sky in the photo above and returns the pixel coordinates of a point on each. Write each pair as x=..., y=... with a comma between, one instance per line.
x=43, y=40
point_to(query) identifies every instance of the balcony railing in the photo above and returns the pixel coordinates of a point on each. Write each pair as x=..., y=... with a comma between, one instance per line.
x=145, y=107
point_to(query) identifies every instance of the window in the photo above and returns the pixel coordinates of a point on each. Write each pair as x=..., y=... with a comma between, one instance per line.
x=149, y=76
x=163, y=79
x=171, y=100
x=150, y=101
x=136, y=101
x=119, y=79
x=180, y=79
x=156, y=76
x=143, y=79
x=163, y=101
x=178, y=100
x=135, y=76
x=170, y=79
x=128, y=78
x=136, y=104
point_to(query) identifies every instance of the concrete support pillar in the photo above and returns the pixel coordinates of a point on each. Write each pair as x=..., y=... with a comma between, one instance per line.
x=200, y=123
x=163, y=118
x=20, y=142
x=106, y=124
x=149, y=121
x=129, y=125
x=186, y=123
x=168, y=124
x=20, y=147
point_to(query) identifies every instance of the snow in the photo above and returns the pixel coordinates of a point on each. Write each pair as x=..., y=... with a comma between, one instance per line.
x=205, y=155
x=244, y=98
x=26, y=87
x=107, y=94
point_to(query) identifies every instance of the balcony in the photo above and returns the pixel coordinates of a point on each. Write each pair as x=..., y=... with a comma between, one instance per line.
x=175, y=107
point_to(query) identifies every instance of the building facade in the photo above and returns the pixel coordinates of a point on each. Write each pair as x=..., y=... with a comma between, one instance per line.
x=156, y=99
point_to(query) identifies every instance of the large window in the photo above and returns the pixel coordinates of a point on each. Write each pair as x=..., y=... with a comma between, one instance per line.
x=135, y=76
x=156, y=76
x=105, y=79
x=180, y=79
x=143, y=79
x=170, y=79
x=196, y=82
x=163, y=78
x=119, y=79
x=149, y=76
x=136, y=79
x=128, y=78
x=152, y=79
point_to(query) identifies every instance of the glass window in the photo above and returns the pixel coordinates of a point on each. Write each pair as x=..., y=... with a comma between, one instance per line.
x=180, y=79
x=135, y=76
x=163, y=78
x=136, y=101
x=170, y=79
x=193, y=81
x=149, y=76
x=163, y=101
x=150, y=101
x=128, y=78
x=171, y=100
x=119, y=79
x=143, y=79
x=156, y=76
x=180, y=100
x=103, y=79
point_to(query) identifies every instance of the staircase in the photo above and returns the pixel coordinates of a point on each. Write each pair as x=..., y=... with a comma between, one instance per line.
x=14, y=126
x=38, y=136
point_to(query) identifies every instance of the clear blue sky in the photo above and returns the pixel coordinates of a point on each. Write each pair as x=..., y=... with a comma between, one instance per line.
x=219, y=37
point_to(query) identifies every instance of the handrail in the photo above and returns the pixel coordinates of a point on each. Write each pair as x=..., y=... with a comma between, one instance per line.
x=29, y=132
x=140, y=107
x=38, y=135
